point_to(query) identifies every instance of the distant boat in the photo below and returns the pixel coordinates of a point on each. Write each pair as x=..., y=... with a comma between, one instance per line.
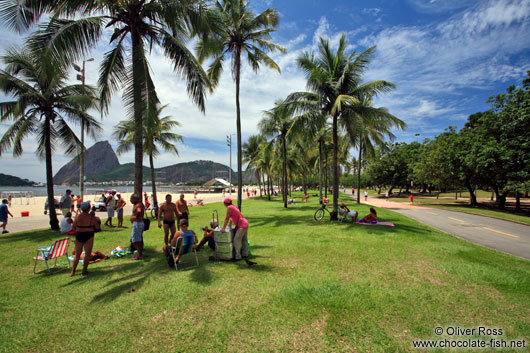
x=37, y=185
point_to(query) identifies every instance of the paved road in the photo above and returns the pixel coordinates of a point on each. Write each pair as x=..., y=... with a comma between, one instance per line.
x=512, y=238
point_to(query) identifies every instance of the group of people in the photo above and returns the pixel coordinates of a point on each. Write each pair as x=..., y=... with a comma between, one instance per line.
x=168, y=212
x=369, y=218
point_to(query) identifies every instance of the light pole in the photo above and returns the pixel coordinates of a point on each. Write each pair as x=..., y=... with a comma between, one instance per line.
x=417, y=137
x=229, y=144
x=81, y=78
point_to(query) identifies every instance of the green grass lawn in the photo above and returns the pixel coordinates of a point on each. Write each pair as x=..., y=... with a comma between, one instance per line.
x=318, y=287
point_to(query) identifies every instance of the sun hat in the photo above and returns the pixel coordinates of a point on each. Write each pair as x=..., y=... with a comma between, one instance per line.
x=85, y=206
x=227, y=200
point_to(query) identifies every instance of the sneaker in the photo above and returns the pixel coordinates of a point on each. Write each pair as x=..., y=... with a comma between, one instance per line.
x=5, y=232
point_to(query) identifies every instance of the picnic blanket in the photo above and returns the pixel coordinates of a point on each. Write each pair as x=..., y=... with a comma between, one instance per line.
x=377, y=224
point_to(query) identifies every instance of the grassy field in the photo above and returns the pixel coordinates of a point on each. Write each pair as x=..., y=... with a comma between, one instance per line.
x=318, y=287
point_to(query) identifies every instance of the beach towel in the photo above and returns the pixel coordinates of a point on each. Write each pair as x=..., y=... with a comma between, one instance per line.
x=377, y=224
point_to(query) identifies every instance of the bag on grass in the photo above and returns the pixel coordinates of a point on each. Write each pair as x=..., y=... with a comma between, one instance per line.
x=147, y=222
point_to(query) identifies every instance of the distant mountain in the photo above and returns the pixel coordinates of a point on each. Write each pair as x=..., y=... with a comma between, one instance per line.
x=123, y=172
x=10, y=180
x=100, y=158
x=102, y=165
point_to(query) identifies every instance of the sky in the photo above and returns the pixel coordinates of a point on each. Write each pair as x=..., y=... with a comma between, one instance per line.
x=446, y=58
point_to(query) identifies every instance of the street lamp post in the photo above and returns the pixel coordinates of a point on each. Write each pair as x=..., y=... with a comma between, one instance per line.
x=81, y=78
x=417, y=137
x=229, y=144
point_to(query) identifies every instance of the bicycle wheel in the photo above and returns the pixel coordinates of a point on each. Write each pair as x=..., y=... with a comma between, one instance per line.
x=319, y=214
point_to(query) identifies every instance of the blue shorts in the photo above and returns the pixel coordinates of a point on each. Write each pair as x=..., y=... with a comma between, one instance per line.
x=3, y=220
x=137, y=232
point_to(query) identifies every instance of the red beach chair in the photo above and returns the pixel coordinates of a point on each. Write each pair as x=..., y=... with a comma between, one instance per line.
x=59, y=248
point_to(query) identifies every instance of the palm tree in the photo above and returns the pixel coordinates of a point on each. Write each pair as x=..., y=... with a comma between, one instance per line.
x=334, y=81
x=239, y=31
x=368, y=127
x=157, y=132
x=251, y=153
x=138, y=25
x=264, y=162
x=42, y=106
x=276, y=124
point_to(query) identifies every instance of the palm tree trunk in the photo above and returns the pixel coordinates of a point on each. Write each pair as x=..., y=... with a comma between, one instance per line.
x=284, y=171
x=238, y=125
x=54, y=223
x=320, y=166
x=153, y=181
x=359, y=174
x=138, y=82
x=325, y=174
x=335, y=169
x=259, y=181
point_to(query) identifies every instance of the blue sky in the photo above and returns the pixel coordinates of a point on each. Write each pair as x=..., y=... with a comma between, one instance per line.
x=446, y=58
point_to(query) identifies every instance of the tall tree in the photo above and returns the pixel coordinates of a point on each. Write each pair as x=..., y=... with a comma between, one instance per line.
x=138, y=25
x=237, y=31
x=43, y=105
x=251, y=151
x=157, y=133
x=276, y=124
x=334, y=82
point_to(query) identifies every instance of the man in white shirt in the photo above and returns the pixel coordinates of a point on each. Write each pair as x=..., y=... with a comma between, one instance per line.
x=110, y=203
x=66, y=224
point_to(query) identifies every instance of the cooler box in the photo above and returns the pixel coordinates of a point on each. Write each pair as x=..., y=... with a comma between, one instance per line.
x=223, y=250
x=24, y=214
x=225, y=237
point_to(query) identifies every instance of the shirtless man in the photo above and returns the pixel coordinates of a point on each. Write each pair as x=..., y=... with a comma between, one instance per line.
x=182, y=210
x=120, y=204
x=137, y=220
x=169, y=209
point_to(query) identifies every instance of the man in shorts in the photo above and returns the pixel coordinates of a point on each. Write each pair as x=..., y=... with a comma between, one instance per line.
x=182, y=210
x=346, y=212
x=4, y=211
x=137, y=220
x=169, y=209
x=66, y=202
x=110, y=204
x=120, y=204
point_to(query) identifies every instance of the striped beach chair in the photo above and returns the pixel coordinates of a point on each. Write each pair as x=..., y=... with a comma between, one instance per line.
x=58, y=249
x=185, y=245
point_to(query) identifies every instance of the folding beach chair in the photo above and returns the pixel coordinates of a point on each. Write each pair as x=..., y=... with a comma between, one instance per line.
x=59, y=248
x=185, y=245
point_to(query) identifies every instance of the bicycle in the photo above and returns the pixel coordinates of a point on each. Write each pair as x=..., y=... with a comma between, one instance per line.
x=319, y=214
x=154, y=213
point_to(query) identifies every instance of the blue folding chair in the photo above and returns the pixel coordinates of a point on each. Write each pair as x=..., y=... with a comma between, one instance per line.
x=185, y=245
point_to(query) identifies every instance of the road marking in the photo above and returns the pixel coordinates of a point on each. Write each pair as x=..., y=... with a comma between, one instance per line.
x=456, y=219
x=498, y=231
x=432, y=213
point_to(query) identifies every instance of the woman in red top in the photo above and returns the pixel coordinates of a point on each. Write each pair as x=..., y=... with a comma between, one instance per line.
x=240, y=238
x=371, y=217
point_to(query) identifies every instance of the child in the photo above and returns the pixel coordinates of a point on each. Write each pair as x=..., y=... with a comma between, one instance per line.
x=4, y=211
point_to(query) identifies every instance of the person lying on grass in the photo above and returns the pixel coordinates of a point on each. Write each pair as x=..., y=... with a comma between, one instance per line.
x=95, y=256
x=345, y=212
x=208, y=236
x=370, y=218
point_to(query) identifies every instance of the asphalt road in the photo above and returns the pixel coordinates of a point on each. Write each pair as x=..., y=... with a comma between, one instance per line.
x=509, y=237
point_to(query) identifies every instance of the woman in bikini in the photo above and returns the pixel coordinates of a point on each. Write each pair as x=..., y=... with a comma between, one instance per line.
x=84, y=226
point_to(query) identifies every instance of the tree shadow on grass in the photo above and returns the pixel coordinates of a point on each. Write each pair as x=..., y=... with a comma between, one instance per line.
x=37, y=236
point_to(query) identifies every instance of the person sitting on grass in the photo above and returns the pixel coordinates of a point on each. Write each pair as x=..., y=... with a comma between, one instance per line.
x=345, y=212
x=324, y=200
x=305, y=198
x=66, y=224
x=208, y=236
x=185, y=233
x=370, y=218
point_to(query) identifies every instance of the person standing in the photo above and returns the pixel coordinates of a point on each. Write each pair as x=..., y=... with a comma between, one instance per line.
x=4, y=211
x=137, y=220
x=169, y=209
x=386, y=196
x=110, y=204
x=240, y=241
x=366, y=196
x=182, y=210
x=84, y=226
x=66, y=202
x=78, y=202
x=120, y=204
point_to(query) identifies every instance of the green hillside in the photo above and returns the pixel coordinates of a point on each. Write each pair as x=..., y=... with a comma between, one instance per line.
x=10, y=180
x=123, y=172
